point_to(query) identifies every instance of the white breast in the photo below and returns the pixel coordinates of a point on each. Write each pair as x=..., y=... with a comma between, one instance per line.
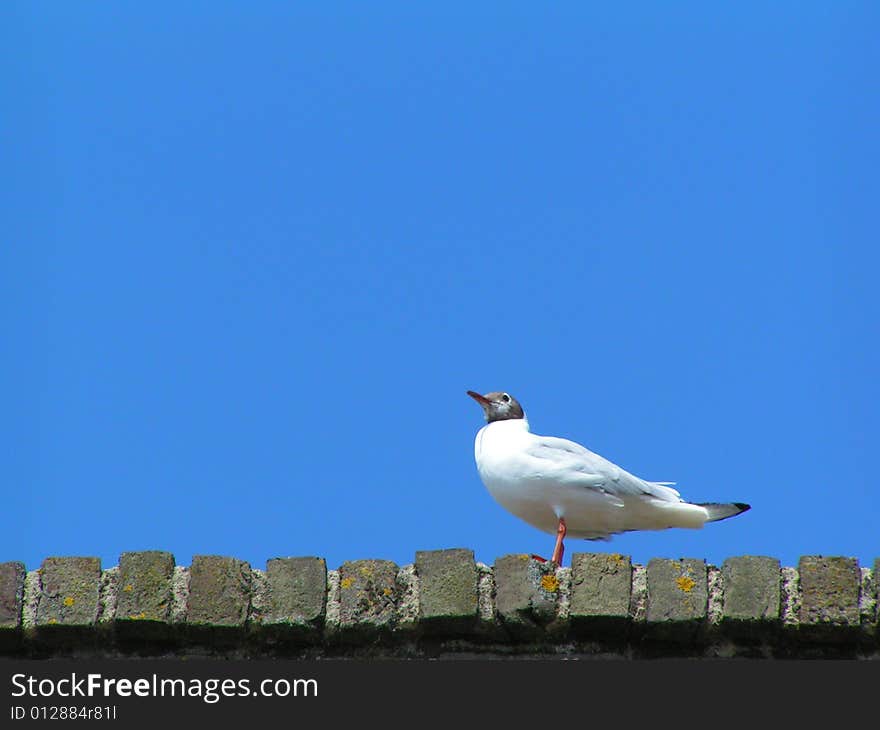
x=499, y=450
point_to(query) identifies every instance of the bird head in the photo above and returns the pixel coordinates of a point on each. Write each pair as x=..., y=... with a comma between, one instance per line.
x=498, y=406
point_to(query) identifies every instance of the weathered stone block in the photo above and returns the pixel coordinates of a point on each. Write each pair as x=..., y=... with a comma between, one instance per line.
x=11, y=599
x=875, y=581
x=448, y=600
x=678, y=596
x=70, y=592
x=601, y=588
x=297, y=595
x=368, y=594
x=144, y=586
x=526, y=591
x=11, y=594
x=219, y=596
x=830, y=590
x=752, y=596
x=143, y=602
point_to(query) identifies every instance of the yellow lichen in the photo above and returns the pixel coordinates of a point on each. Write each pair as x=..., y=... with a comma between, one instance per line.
x=685, y=583
x=386, y=591
x=52, y=621
x=550, y=583
x=346, y=583
x=129, y=588
x=138, y=616
x=69, y=601
x=366, y=571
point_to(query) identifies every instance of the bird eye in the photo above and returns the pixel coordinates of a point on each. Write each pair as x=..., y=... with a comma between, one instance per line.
x=505, y=397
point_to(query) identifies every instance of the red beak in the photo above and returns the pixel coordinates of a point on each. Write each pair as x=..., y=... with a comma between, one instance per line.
x=483, y=401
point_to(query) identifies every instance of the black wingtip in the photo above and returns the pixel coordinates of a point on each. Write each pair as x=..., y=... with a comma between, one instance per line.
x=718, y=511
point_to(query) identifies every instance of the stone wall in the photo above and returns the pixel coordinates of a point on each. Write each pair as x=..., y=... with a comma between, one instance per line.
x=444, y=604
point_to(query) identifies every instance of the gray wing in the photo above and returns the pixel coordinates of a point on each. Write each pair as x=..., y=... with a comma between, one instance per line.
x=569, y=462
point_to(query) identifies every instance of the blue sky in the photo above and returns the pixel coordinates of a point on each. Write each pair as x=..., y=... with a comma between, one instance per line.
x=255, y=254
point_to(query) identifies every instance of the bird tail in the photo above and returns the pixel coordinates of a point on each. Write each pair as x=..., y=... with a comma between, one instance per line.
x=718, y=511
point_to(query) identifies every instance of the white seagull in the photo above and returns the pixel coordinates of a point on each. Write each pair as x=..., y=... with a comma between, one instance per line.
x=564, y=488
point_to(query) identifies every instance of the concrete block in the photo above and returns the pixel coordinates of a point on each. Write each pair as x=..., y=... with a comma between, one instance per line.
x=368, y=594
x=448, y=600
x=601, y=588
x=752, y=596
x=70, y=590
x=297, y=596
x=678, y=596
x=143, y=603
x=830, y=588
x=219, y=597
x=526, y=592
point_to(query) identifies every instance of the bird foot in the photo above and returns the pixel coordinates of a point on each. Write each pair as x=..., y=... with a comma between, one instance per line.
x=559, y=549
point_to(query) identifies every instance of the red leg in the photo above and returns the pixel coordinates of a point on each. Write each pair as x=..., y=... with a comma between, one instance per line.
x=559, y=550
